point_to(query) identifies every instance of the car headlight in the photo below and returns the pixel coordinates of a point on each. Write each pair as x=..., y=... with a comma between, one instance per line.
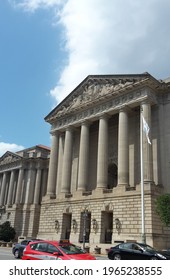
x=161, y=256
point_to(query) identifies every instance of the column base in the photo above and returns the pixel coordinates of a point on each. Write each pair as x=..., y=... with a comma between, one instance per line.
x=48, y=197
x=64, y=195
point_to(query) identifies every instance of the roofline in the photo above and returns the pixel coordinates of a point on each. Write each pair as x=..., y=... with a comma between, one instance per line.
x=34, y=147
x=12, y=153
x=145, y=74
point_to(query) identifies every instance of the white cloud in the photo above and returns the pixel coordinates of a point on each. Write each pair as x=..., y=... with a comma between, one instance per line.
x=110, y=37
x=4, y=147
x=33, y=5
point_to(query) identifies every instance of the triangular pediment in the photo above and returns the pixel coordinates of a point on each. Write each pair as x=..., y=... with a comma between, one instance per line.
x=95, y=88
x=9, y=157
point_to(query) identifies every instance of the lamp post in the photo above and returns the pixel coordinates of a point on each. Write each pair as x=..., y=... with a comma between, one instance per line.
x=85, y=215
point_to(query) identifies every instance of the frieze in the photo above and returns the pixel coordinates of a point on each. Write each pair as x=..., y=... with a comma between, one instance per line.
x=94, y=91
x=9, y=159
x=97, y=110
x=11, y=165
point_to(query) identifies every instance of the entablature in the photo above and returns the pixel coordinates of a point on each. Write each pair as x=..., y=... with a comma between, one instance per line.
x=110, y=106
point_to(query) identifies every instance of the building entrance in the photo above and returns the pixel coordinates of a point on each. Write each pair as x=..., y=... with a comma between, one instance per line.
x=106, y=227
x=66, y=228
x=85, y=226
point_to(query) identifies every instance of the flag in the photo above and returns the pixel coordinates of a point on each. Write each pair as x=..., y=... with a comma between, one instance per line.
x=146, y=129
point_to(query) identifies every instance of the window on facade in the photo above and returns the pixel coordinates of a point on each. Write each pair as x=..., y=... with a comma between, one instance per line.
x=8, y=215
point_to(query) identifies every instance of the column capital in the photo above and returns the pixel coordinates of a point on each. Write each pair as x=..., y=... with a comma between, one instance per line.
x=55, y=132
x=145, y=102
x=86, y=122
x=69, y=128
x=104, y=116
x=124, y=108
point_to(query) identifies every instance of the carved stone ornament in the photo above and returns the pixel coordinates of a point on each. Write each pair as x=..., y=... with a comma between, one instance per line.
x=74, y=225
x=95, y=225
x=92, y=91
x=9, y=159
x=57, y=226
x=98, y=109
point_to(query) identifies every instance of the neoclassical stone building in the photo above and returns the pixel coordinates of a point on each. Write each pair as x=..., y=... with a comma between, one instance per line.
x=23, y=182
x=94, y=181
x=93, y=191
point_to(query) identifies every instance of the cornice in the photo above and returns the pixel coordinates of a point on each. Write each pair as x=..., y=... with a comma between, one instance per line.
x=95, y=90
x=108, y=106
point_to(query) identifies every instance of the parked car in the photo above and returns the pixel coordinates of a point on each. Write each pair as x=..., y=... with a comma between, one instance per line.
x=136, y=251
x=55, y=250
x=18, y=248
x=167, y=252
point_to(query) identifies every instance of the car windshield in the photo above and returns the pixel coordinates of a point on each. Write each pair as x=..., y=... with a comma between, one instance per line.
x=71, y=249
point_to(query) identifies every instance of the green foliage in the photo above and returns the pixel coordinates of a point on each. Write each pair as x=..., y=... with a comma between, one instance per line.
x=7, y=233
x=163, y=208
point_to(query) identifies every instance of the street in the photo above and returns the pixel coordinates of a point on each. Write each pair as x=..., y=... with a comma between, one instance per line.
x=6, y=254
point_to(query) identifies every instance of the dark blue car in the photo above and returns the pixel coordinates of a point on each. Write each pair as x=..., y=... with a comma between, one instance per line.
x=18, y=248
x=136, y=251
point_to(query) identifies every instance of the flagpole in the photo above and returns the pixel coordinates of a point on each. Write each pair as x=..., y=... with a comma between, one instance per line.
x=143, y=236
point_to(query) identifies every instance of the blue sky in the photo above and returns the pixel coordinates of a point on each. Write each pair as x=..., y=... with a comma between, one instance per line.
x=47, y=47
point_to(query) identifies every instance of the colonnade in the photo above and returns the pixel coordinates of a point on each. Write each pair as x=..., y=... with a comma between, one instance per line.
x=22, y=185
x=61, y=154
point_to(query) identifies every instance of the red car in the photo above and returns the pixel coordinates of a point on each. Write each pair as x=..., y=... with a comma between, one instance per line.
x=54, y=250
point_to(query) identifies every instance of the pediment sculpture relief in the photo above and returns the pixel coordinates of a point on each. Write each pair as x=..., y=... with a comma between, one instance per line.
x=93, y=90
x=8, y=159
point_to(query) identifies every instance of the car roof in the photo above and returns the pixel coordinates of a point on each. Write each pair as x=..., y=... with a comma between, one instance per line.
x=30, y=239
x=53, y=242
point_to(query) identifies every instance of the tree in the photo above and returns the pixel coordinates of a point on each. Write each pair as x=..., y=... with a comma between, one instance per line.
x=7, y=233
x=163, y=208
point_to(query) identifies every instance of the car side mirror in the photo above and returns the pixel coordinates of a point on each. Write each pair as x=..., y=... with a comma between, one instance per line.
x=141, y=250
x=57, y=254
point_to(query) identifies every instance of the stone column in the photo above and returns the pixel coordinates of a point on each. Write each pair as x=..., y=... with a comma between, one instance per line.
x=102, y=158
x=83, y=157
x=37, y=187
x=51, y=185
x=3, y=189
x=30, y=186
x=60, y=164
x=11, y=188
x=44, y=182
x=147, y=148
x=123, y=149
x=19, y=186
x=67, y=161
x=1, y=176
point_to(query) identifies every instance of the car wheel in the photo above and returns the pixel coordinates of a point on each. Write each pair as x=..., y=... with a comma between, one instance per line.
x=154, y=258
x=16, y=254
x=117, y=257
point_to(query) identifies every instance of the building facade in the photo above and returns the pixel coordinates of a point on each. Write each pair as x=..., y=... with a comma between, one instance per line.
x=23, y=183
x=93, y=192
x=94, y=182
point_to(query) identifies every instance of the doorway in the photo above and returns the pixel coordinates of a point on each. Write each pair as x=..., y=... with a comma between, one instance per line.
x=85, y=226
x=66, y=226
x=106, y=227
